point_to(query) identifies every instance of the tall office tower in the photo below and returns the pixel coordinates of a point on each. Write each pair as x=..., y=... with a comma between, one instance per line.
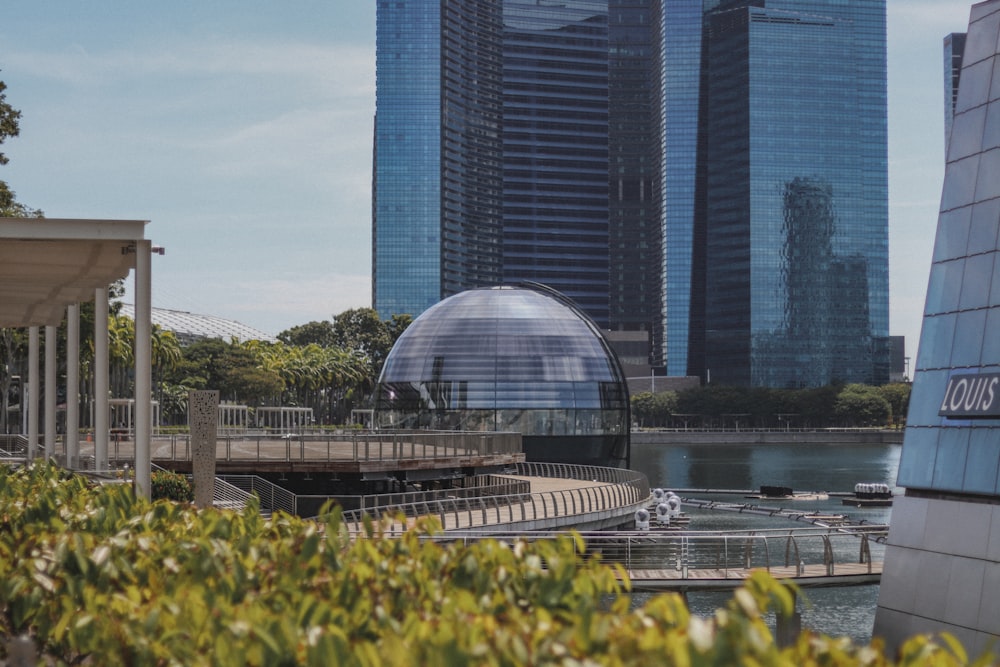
x=942, y=558
x=678, y=44
x=635, y=230
x=792, y=233
x=437, y=185
x=954, y=48
x=555, y=149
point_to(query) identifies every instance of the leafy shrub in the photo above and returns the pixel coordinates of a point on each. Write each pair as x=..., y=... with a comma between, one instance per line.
x=95, y=575
x=164, y=484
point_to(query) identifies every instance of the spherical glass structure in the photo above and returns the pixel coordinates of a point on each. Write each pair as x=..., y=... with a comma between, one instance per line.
x=519, y=358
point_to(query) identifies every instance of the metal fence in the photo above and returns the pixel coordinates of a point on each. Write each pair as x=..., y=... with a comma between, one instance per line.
x=689, y=555
x=603, y=490
x=272, y=497
x=340, y=447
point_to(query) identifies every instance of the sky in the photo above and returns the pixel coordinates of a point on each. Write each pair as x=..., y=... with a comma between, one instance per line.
x=242, y=131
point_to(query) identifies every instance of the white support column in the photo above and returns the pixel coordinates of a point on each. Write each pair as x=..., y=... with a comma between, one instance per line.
x=143, y=367
x=102, y=369
x=72, y=438
x=30, y=399
x=51, y=383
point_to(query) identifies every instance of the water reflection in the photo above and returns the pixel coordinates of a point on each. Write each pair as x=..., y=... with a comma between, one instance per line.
x=848, y=611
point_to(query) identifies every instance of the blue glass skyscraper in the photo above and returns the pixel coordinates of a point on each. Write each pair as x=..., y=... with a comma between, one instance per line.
x=678, y=37
x=579, y=207
x=437, y=190
x=711, y=171
x=792, y=228
x=555, y=149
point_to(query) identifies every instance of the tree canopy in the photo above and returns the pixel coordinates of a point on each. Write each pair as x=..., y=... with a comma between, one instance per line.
x=362, y=330
x=852, y=405
x=9, y=121
x=10, y=127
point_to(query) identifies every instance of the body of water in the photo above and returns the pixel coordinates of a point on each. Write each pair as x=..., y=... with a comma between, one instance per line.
x=846, y=611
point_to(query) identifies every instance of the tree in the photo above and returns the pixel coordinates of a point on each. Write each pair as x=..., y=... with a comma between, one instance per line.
x=396, y=325
x=862, y=405
x=10, y=127
x=318, y=333
x=13, y=343
x=232, y=369
x=9, y=117
x=361, y=330
x=897, y=395
x=654, y=409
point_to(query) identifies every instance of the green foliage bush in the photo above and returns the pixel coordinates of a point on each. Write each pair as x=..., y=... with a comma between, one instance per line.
x=95, y=575
x=167, y=485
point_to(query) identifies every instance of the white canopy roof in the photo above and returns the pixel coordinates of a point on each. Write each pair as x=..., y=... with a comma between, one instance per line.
x=47, y=264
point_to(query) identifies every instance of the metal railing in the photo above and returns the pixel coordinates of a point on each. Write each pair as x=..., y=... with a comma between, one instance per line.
x=272, y=497
x=341, y=447
x=604, y=490
x=228, y=496
x=13, y=446
x=698, y=555
x=479, y=485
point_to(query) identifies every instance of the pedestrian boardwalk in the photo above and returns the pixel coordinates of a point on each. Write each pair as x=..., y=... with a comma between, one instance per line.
x=806, y=576
x=593, y=499
x=684, y=560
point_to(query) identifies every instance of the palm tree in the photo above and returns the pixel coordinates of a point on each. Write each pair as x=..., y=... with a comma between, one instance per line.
x=121, y=354
x=166, y=354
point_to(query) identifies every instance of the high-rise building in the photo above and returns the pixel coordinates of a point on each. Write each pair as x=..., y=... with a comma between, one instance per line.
x=678, y=67
x=555, y=149
x=437, y=185
x=635, y=225
x=712, y=172
x=495, y=160
x=791, y=231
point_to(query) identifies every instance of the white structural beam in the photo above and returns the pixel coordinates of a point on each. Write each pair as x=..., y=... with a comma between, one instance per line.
x=143, y=368
x=30, y=399
x=101, y=378
x=51, y=382
x=47, y=265
x=72, y=437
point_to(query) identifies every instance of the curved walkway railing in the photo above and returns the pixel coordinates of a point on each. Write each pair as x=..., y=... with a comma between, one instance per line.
x=690, y=559
x=337, y=447
x=589, y=493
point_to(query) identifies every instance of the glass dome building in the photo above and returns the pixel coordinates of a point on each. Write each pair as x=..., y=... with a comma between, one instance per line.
x=512, y=358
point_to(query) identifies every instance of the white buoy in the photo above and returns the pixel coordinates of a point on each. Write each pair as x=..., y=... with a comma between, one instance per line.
x=642, y=519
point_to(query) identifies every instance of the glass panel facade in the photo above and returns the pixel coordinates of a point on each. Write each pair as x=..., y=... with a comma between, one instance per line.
x=510, y=358
x=635, y=233
x=794, y=233
x=680, y=66
x=962, y=316
x=555, y=149
x=437, y=177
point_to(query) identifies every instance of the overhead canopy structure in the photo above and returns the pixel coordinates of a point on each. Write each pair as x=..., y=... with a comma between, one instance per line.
x=48, y=264
x=47, y=268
